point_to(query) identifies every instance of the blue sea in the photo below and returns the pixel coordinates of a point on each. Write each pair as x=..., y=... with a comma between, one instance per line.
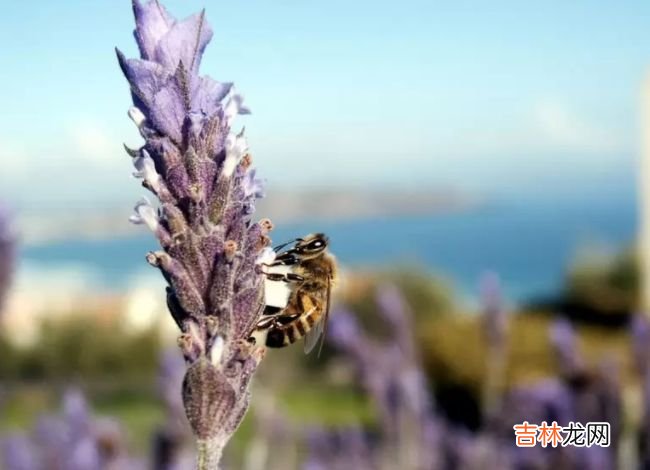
x=529, y=244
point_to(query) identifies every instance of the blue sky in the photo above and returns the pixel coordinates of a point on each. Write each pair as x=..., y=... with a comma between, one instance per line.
x=488, y=97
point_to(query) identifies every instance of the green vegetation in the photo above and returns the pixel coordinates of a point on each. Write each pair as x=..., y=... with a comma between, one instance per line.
x=82, y=347
x=454, y=349
x=606, y=284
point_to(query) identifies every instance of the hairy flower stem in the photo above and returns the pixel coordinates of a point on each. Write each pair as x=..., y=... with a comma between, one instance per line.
x=209, y=453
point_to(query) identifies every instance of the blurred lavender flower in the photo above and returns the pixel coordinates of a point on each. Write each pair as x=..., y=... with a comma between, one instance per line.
x=82, y=448
x=73, y=440
x=274, y=444
x=608, y=388
x=392, y=375
x=7, y=253
x=18, y=454
x=109, y=438
x=397, y=314
x=563, y=339
x=640, y=333
x=544, y=400
x=170, y=440
x=412, y=436
x=494, y=314
x=590, y=397
x=201, y=173
x=597, y=397
x=342, y=449
x=495, y=323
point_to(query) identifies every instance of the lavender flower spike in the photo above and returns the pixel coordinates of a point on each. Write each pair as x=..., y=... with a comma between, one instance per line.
x=201, y=173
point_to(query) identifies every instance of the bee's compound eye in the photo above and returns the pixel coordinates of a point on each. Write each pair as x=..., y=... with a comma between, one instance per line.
x=315, y=245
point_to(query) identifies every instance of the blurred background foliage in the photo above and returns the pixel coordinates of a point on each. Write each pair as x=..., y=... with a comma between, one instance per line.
x=118, y=369
x=604, y=285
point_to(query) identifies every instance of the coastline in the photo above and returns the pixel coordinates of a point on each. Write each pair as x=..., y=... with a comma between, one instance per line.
x=282, y=207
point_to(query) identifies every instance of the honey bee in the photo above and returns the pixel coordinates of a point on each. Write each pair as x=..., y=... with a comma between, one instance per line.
x=308, y=270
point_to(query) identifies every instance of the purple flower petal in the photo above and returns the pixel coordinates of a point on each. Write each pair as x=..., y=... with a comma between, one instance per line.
x=167, y=110
x=146, y=78
x=253, y=187
x=146, y=214
x=152, y=24
x=207, y=95
x=184, y=43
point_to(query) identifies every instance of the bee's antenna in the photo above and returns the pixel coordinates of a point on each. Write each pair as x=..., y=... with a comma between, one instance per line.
x=279, y=247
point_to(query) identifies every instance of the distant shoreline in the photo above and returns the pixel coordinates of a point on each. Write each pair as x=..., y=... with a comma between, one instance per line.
x=280, y=207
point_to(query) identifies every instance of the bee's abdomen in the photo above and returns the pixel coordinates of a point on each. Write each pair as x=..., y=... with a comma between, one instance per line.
x=288, y=334
x=276, y=338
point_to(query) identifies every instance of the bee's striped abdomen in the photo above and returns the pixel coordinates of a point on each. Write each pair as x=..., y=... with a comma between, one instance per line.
x=281, y=336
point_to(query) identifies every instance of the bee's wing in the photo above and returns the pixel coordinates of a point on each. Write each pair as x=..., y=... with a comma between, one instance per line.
x=319, y=329
x=327, y=312
x=311, y=338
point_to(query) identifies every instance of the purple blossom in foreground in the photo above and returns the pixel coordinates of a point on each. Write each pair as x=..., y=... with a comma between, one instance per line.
x=201, y=173
x=7, y=253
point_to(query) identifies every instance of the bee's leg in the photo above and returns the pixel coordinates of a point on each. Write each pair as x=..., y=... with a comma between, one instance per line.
x=288, y=277
x=266, y=323
x=270, y=310
x=285, y=319
x=260, y=332
x=285, y=259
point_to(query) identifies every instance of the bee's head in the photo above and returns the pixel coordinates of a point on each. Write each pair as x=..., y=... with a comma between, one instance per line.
x=312, y=245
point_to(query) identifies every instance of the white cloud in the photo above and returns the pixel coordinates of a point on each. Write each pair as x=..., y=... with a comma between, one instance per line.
x=544, y=136
x=13, y=157
x=77, y=162
x=84, y=146
x=92, y=141
x=549, y=136
x=557, y=125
